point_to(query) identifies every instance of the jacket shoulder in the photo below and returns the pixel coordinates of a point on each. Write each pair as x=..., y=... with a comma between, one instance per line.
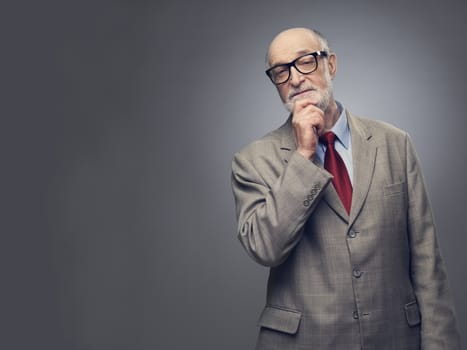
x=378, y=129
x=269, y=144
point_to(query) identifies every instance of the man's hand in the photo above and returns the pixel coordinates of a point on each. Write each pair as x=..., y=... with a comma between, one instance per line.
x=308, y=124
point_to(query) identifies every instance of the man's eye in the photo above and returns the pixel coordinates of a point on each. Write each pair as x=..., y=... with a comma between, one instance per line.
x=307, y=62
x=281, y=70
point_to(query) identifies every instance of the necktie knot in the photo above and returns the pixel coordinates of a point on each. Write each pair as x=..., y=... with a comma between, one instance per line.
x=328, y=138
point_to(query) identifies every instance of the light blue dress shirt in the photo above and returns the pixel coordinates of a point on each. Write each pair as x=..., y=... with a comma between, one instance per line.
x=343, y=143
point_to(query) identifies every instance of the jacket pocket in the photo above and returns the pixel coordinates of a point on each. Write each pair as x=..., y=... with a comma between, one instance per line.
x=278, y=319
x=394, y=189
x=412, y=314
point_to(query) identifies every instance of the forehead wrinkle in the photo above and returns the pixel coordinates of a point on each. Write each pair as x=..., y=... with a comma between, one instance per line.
x=288, y=45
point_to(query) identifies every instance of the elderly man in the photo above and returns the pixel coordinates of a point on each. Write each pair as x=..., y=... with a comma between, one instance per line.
x=336, y=206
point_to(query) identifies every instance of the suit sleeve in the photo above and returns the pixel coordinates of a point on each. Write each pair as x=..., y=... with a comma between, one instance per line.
x=271, y=211
x=428, y=272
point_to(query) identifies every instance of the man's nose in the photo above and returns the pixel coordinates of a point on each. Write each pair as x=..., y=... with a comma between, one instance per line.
x=296, y=78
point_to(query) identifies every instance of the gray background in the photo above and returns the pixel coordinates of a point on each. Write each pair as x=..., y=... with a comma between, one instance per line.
x=121, y=121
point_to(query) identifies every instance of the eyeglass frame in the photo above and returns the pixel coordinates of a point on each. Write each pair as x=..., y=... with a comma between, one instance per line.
x=315, y=54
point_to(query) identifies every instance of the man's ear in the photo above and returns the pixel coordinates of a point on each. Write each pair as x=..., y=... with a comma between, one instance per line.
x=332, y=65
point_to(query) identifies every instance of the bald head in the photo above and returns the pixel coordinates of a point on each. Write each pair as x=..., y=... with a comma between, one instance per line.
x=292, y=41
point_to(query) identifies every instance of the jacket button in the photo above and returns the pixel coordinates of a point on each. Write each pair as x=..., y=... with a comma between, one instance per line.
x=355, y=315
x=357, y=273
x=352, y=234
x=306, y=203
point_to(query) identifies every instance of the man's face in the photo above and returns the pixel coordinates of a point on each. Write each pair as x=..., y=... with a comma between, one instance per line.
x=316, y=86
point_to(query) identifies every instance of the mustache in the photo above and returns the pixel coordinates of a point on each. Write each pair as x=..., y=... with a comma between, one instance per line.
x=295, y=91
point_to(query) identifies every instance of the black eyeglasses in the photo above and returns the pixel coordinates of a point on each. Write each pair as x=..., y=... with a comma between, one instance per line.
x=305, y=64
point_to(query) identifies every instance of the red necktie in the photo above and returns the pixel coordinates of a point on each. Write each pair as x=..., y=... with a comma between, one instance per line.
x=335, y=165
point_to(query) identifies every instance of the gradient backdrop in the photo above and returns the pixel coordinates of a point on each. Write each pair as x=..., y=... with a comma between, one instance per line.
x=122, y=119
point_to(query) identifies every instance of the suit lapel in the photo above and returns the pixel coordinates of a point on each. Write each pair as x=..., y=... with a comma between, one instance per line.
x=333, y=200
x=364, y=157
x=287, y=141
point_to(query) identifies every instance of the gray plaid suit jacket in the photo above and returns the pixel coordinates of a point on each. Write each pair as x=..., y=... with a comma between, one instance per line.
x=373, y=279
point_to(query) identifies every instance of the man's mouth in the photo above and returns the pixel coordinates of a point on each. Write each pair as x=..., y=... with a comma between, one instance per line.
x=299, y=93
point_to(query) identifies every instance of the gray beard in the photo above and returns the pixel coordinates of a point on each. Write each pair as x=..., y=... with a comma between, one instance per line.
x=323, y=104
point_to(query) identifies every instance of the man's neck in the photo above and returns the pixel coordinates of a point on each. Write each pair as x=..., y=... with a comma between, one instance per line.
x=331, y=115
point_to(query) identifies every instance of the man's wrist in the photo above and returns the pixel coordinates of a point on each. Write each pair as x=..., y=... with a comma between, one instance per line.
x=307, y=153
